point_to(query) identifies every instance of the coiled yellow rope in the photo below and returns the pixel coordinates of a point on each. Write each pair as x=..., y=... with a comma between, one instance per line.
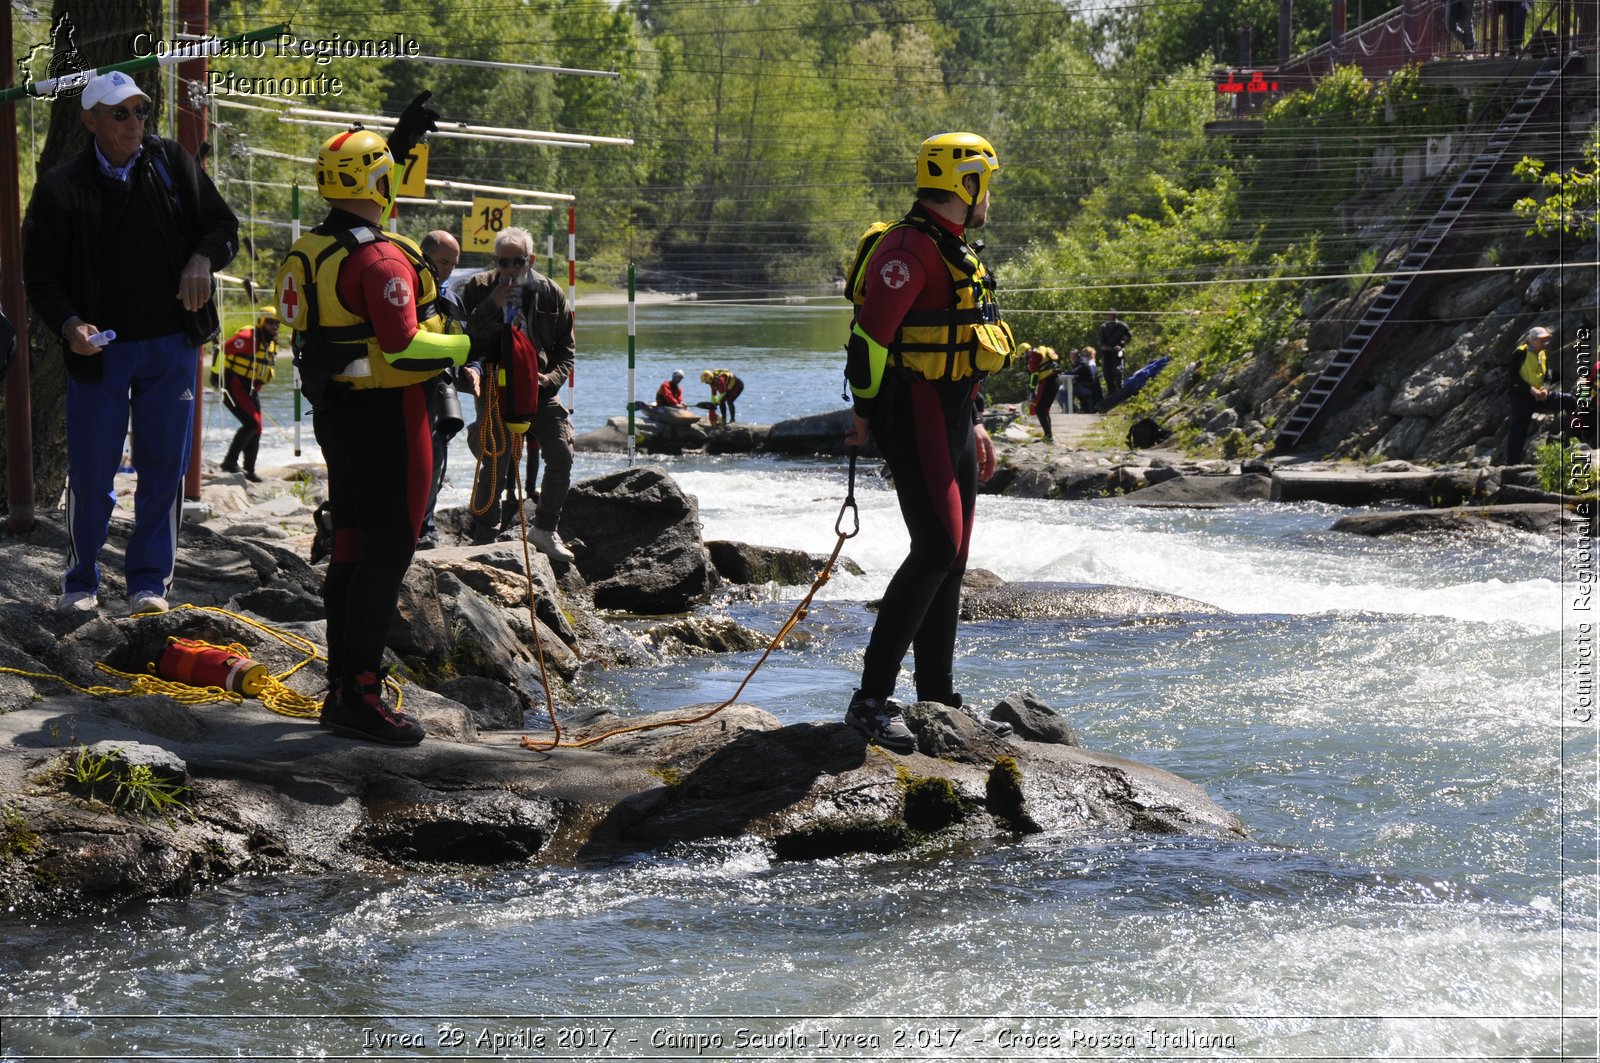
x=275, y=695
x=495, y=443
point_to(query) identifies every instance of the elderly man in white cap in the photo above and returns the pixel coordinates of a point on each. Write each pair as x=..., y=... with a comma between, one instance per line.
x=120, y=244
x=1527, y=391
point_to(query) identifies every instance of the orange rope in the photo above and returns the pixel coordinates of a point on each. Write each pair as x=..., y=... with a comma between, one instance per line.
x=777, y=640
x=494, y=443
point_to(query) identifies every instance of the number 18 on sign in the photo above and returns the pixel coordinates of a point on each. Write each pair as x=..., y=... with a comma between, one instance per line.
x=488, y=217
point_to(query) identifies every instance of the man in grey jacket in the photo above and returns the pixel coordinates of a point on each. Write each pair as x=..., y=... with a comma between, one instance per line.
x=514, y=294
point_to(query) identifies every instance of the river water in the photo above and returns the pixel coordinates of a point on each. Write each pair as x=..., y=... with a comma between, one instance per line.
x=1405, y=728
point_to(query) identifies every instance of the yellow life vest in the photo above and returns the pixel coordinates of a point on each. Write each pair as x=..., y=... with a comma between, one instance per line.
x=253, y=364
x=333, y=340
x=964, y=340
x=1531, y=366
x=1045, y=368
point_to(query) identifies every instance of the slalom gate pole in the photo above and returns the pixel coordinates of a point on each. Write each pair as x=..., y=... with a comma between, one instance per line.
x=632, y=329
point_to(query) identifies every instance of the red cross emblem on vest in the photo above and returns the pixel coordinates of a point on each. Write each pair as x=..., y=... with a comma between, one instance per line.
x=291, y=300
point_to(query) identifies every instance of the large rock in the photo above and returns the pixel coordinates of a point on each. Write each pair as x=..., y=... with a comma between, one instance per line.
x=1540, y=518
x=820, y=433
x=743, y=563
x=645, y=552
x=1464, y=302
x=1203, y=490
x=1345, y=488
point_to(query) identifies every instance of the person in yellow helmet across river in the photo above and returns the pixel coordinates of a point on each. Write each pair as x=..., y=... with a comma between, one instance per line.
x=249, y=361
x=725, y=390
x=1044, y=378
x=369, y=336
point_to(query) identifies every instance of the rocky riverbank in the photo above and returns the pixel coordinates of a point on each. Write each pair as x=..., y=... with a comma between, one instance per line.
x=1029, y=467
x=112, y=796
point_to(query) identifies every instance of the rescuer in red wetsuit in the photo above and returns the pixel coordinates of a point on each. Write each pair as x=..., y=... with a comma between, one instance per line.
x=927, y=331
x=370, y=337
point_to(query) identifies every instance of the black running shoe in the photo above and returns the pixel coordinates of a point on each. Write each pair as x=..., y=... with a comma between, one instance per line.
x=882, y=721
x=363, y=713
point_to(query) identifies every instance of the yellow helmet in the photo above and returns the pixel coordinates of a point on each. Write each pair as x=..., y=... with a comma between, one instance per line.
x=355, y=164
x=265, y=314
x=944, y=160
x=705, y=376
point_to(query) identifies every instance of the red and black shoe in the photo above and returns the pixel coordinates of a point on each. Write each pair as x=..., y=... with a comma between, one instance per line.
x=362, y=712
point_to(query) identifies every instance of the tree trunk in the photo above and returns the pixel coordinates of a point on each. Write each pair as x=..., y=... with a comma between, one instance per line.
x=104, y=31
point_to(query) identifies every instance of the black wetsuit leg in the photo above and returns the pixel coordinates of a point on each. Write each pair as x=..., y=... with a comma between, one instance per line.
x=924, y=431
x=379, y=450
x=245, y=405
x=1043, y=399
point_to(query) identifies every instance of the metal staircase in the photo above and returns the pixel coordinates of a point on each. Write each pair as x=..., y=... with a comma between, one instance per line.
x=1377, y=323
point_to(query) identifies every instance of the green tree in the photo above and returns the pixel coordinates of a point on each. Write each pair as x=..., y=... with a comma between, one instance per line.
x=1569, y=199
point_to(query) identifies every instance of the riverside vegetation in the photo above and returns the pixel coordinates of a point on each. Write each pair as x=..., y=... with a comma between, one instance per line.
x=766, y=138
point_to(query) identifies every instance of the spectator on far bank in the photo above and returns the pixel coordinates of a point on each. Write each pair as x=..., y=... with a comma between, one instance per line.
x=1527, y=391
x=1114, y=336
x=1086, y=392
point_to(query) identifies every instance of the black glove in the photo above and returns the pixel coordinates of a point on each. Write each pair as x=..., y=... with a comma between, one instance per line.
x=415, y=121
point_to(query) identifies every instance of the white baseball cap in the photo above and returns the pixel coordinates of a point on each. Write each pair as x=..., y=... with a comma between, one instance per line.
x=110, y=89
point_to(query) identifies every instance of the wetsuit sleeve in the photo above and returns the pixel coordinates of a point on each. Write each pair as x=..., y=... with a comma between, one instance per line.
x=389, y=295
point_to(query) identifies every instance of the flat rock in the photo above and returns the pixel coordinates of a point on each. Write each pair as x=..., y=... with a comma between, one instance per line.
x=1203, y=490
x=1066, y=601
x=1540, y=518
x=272, y=792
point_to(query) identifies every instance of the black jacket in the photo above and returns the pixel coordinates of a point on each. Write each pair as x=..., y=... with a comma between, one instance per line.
x=548, y=324
x=62, y=233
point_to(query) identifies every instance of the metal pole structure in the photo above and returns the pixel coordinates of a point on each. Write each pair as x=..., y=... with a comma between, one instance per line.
x=572, y=297
x=294, y=234
x=19, y=397
x=632, y=328
x=1341, y=16
x=179, y=54
x=194, y=18
x=1285, y=30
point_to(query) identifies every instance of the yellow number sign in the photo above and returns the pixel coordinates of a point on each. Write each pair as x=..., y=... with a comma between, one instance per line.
x=414, y=174
x=480, y=228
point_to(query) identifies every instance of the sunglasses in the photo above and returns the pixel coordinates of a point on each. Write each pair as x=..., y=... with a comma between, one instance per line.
x=512, y=263
x=120, y=114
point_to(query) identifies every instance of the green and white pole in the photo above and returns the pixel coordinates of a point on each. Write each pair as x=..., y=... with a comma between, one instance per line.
x=294, y=234
x=632, y=328
x=52, y=87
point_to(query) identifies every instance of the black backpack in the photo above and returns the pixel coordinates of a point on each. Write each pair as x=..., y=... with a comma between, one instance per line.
x=1146, y=433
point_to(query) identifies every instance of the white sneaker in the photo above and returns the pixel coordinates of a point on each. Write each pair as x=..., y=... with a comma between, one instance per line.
x=78, y=602
x=549, y=543
x=144, y=603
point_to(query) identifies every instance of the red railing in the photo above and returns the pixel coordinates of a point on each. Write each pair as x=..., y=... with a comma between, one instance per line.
x=1416, y=32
